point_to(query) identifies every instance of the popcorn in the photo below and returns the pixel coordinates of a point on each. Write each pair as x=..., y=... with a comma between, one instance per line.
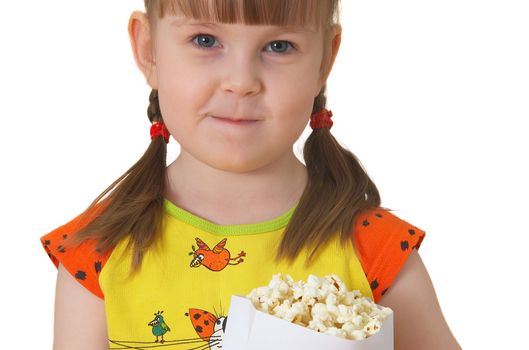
x=322, y=304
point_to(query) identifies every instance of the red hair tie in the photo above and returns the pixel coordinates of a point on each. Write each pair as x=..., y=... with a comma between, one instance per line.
x=321, y=119
x=159, y=128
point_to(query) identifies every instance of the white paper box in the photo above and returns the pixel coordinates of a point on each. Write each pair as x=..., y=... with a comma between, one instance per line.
x=250, y=329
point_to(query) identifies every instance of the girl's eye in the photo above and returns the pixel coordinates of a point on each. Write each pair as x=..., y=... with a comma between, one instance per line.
x=282, y=45
x=205, y=41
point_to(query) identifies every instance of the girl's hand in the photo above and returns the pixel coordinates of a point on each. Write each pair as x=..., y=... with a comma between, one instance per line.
x=418, y=320
x=80, y=320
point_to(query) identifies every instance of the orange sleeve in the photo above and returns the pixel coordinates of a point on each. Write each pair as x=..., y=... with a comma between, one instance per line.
x=83, y=262
x=383, y=242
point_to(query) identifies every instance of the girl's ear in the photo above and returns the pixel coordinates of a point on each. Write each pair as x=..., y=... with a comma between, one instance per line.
x=332, y=52
x=335, y=45
x=142, y=48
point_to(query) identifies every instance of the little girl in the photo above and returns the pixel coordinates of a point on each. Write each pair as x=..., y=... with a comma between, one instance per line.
x=234, y=83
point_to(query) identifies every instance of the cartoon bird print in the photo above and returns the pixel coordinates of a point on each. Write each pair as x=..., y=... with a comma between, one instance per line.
x=210, y=328
x=215, y=259
x=159, y=327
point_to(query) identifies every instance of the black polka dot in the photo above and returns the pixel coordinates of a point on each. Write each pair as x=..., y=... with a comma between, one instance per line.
x=365, y=223
x=411, y=231
x=384, y=291
x=81, y=275
x=64, y=236
x=60, y=249
x=378, y=215
x=47, y=242
x=374, y=285
x=196, y=316
x=198, y=329
x=206, y=322
x=97, y=266
x=404, y=245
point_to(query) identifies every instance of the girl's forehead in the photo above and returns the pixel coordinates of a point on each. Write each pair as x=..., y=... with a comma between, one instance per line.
x=184, y=21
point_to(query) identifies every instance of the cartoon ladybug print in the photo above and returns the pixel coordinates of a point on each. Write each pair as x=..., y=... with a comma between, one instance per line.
x=215, y=259
x=209, y=328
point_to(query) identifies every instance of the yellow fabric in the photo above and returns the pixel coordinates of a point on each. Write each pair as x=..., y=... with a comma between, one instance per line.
x=194, y=298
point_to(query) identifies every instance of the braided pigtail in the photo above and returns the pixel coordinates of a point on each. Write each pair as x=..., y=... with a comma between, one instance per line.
x=338, y=189
x=134, y=206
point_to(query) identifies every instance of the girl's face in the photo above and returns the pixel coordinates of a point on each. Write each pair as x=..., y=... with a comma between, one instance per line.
x=267, y=74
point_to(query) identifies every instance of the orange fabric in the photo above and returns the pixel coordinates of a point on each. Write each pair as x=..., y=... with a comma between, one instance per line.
x=82, y=262
x=383, y=242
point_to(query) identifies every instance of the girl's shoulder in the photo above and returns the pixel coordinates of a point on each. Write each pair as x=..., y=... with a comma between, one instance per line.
x=83, y=261
x=383, y=242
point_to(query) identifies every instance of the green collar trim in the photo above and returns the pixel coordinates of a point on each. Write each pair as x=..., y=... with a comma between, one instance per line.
x=243, y=229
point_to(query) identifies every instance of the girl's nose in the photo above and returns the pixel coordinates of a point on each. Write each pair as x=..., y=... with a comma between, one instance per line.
x=241, y=76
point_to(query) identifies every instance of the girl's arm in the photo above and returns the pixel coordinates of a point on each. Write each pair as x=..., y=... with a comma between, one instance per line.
x=80, y=321
x=418, y=320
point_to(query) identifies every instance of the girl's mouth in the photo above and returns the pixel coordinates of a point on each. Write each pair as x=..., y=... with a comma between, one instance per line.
x=235, y=122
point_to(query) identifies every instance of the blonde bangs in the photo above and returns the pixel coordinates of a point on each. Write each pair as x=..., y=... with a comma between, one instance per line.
x=304, y=13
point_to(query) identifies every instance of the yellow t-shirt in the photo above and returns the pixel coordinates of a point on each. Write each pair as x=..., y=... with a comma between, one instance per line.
x=181, y=296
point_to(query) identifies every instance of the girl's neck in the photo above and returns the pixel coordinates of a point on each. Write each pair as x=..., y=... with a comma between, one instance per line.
x=228, y=198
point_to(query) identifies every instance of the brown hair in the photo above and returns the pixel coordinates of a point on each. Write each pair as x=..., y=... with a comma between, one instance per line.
x=338, y=187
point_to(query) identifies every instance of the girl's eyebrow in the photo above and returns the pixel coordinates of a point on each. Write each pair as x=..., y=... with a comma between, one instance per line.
x=286, y=29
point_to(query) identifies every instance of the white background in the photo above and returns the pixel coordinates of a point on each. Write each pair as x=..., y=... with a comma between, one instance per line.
x=432, y=97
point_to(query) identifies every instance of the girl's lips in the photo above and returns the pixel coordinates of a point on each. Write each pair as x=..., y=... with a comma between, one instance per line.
x=235, y=122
